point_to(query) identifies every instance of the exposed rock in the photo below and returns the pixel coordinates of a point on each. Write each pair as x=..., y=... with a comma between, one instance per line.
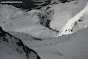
x=16, y=45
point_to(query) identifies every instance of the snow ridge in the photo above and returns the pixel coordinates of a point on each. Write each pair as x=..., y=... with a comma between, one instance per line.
x=68, y=28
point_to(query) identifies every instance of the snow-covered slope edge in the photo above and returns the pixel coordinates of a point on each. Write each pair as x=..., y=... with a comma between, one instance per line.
x=75, y=47
x=76, y=23
x=13, y=48
x=14, y=19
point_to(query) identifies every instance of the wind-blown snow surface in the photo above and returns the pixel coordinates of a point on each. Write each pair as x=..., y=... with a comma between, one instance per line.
x=74, y=46
x=13, y=48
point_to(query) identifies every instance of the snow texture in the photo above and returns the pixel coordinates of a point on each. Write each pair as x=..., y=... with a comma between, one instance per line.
x=13, y=48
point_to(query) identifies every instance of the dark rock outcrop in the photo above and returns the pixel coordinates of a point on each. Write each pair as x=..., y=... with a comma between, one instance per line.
x=15, y=44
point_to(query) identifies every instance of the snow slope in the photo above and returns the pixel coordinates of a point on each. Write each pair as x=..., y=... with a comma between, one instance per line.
x=78, y=22
x=71, y=46
x=63, y=12
x=76, y=47
x=13, y=48
x=14, y=19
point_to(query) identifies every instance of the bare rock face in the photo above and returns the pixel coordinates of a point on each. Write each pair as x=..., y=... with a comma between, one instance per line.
x=8, y=41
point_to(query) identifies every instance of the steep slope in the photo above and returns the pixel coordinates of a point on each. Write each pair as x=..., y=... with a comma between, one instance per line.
x=14, y=19
x=78, y=22
x=13, y=48
x=42, y=23
x=63, y=12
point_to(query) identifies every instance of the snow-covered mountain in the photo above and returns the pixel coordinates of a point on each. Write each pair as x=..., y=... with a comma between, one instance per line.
x=78, y=22
x=72, y=46
x=13, y=48
x=43, y=23
x=14, y=19
x=56, y=31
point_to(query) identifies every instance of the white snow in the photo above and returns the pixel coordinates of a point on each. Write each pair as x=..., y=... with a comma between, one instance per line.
x=74, y=24
x=76, y=47
x=66, y=44
x=13, y=19
x=64, y=12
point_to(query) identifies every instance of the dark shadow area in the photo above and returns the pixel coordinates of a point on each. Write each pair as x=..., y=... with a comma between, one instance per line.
x=28, y=4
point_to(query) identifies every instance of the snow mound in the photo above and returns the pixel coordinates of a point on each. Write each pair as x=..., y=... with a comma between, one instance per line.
x=12, y=47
